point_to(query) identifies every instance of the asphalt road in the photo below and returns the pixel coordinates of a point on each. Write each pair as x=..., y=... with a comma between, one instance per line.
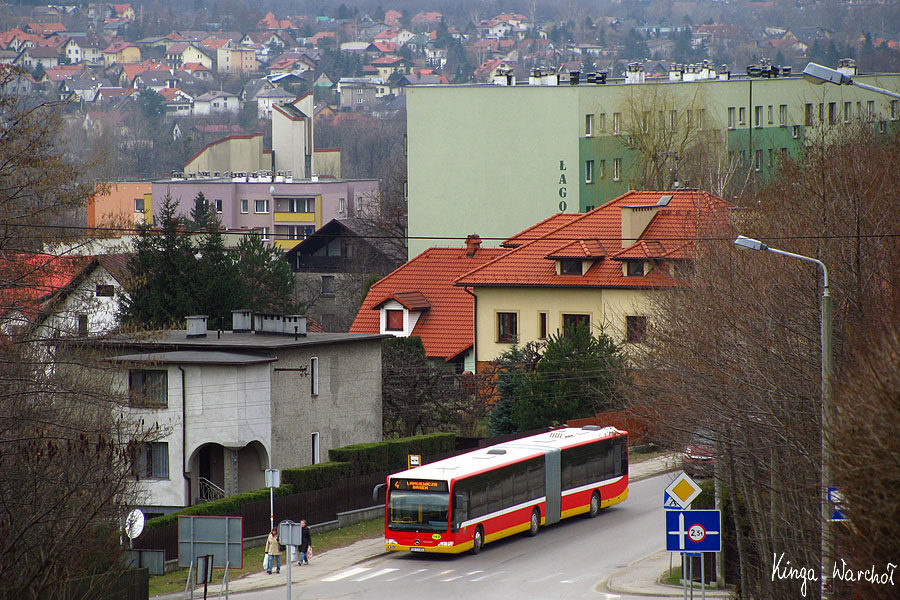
x=564, y=561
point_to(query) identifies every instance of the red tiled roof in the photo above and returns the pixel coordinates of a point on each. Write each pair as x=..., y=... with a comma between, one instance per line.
x=539, y=229
x=385, y=46
x=36, y=278
x=669, y=234
x=447, y=328
x=410, y=300
x=579, y=249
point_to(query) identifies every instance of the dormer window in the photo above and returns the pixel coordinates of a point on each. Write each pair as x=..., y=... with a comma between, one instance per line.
x=569, y=267
x=635, y=268
x=393, y=320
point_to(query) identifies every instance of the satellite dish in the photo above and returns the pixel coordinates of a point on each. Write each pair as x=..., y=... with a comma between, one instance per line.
x=134, y=523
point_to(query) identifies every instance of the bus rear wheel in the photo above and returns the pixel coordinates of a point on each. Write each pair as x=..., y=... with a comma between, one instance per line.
x=535, y=523
x=478, y=540
x=595, y=505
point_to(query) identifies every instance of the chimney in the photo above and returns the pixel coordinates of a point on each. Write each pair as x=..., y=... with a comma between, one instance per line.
x=240, y=320
x=196, y=326
x=847, y=66
x=635, y=220
x=473, y=243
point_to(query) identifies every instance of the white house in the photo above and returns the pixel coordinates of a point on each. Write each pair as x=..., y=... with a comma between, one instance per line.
x=216, y=102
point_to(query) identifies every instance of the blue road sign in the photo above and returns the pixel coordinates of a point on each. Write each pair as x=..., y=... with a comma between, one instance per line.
x=669, y=502
x=835, y=497
x=693, y=530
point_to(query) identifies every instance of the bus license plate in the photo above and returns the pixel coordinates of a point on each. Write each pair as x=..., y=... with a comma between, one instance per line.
x=416, y=549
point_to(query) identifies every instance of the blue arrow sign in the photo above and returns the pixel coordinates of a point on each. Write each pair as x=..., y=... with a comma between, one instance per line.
x=693, y=530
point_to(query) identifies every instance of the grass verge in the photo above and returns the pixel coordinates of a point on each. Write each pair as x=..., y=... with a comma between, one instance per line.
x=322, y=542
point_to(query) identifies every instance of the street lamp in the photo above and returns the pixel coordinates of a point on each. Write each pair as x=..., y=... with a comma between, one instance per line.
x=827, y=373
x=818, y=75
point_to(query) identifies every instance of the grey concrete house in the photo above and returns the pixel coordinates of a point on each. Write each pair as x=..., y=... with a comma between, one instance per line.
x=234, y=403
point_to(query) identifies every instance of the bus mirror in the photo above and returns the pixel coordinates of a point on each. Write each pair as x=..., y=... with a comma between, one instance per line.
x=376, y=492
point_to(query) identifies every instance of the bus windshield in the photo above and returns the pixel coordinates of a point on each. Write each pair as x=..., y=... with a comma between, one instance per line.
x=418, y=511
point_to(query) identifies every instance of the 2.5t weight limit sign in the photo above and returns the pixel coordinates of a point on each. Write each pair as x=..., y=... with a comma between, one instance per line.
x=693, y=530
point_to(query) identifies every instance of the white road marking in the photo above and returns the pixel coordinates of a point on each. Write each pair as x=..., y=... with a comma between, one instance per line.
x=345, y=574
x=545, y=578
x=375, y=574
x=574, y=579
x=485, y=576
x=401, y=576
x=447, y=572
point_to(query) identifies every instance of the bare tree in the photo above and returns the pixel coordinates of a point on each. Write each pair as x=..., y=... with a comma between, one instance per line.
x=736, y=351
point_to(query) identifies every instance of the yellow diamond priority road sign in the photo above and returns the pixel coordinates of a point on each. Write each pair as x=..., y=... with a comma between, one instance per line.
x=683, y=490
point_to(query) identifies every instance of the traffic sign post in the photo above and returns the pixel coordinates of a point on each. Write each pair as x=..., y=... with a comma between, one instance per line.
x=691, y=533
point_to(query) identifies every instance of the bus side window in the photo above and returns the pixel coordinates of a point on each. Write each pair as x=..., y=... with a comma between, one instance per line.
x=619, y=458
x=460, y=509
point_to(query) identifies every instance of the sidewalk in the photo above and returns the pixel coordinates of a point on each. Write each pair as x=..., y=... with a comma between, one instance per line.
x=639, y=578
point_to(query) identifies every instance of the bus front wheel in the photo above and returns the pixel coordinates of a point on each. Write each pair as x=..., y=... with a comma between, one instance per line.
x=535, y=523
x=478, y=540
x=595, y=504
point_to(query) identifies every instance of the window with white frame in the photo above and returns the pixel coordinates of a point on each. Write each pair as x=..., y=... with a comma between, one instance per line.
x=588, y=125
x=589, y=171
x=617, y=166
x=218, y=206
x=314, y=376
x=617, y=117
x=264, y=233
x=261, y=206
x=245, y=206
x=151, y=461
x=148, y=388
x=783, y=115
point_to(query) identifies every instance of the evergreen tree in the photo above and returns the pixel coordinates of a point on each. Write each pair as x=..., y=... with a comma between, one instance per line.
x=219, y=285
x=267, y=281
x=577, y=376
x=509, y=371
x=200, y=213
x=162, y=272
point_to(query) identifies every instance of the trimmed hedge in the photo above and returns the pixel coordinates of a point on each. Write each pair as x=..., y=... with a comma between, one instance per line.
x=391, y=454
x=224, y=506
x=316, y=477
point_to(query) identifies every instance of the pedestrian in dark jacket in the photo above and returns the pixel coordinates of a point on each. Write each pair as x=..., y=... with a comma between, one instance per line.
x=305, y=544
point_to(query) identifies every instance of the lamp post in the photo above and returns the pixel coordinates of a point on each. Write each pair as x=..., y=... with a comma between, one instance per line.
x=827, y=373
x=818, y=75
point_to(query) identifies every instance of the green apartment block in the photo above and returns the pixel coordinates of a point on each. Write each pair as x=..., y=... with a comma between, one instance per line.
x=494, y=159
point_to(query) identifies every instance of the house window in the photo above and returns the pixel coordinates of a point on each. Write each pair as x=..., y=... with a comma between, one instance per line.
x=730, y=117
x=105, y=291
x=393, y=320
x=245, y=206
x=589, y=171
x=757, y=116
x=82, y=324
x=742, y=115
x=358, y=204
x=588, y=125
x=569, y=266
x=782, y=115
x=507, y=327
x=218, y=206
x=635, y=268
x=601, y=122
x=770, y=112
x=673, y=119
x=617, y=117
x=328, y=285
x=542, y=326
x=832, y=113
x=572, y=322
x=314, y=450
x=848, y=111
x=893, y=110
x=148, y=388
x=261, y=206
x=301, y=205
x=314, y=376
x=757, y=160
x=264, y=233
x=635, y=328
x=617, y=165
x=341, y=205
x=152, y=461
x=821, y=112
x=870, y=110
x=808, y=115
x=602, y=172
x=138, y=205
x=795, y=132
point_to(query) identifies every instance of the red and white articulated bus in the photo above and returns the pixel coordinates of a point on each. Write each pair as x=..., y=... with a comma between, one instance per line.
x=465, y=501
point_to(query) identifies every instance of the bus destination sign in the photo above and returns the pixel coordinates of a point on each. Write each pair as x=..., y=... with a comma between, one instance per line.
x=419, y=485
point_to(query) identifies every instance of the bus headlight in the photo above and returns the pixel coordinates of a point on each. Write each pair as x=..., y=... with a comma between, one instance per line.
x=445, y=543
x=390, y=541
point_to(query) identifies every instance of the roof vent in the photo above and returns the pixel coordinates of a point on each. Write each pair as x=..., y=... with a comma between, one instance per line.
x=473, y=243
x=664, y=200
x=496, y=451
x=240, y=320
x=591, y=428
x=196, y=326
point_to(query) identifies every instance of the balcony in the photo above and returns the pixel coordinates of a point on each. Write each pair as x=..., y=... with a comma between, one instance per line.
x=324, y=264
x=295, y=217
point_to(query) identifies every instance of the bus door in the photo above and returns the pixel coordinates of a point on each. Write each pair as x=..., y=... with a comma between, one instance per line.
x=552, y=473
